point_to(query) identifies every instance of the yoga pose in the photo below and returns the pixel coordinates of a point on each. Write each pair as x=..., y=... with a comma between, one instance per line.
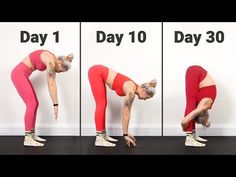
x=200, y=96
x=38, y=60
x=99, y=77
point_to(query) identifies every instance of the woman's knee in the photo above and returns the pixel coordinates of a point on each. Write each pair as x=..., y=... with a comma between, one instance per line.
x=101, y=104
x=33, y=104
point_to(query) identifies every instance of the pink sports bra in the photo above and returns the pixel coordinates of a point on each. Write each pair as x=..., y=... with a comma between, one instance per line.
x=36, y=60
x=119, y=82
x=207, y=92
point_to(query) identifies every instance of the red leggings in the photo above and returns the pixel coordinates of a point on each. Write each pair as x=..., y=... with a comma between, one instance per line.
x=194, y=75
x=97, y=75
x=20, y=77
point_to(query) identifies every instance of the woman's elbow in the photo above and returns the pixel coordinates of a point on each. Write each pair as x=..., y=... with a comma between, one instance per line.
x=206, y=107
x=184, y=124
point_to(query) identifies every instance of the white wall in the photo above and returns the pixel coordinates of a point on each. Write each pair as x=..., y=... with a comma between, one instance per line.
x=12, y=107
x=140, y=61
x=217, y=58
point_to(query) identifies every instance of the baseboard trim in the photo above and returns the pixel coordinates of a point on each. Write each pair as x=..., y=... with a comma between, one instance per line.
x=203, y=131
x=153, y=131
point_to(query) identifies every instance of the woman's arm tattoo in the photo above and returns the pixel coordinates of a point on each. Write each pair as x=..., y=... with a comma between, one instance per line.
x=51, y=71
x=196, y=114
x=129, y=100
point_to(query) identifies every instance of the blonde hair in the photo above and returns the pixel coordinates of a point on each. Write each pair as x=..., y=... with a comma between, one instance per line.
x=150, y=87
x=201, y=118
x=66, y=61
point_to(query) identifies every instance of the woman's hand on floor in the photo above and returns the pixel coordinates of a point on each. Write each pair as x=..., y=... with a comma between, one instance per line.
x=130, y=140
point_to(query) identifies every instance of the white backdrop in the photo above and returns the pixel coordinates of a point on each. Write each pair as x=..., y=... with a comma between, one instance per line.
x=217, y=58
x=12, y=107
x=139, y=61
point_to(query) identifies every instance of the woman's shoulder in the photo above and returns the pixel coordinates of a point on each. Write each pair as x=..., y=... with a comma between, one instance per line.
x=47, y=54
x=130, y=86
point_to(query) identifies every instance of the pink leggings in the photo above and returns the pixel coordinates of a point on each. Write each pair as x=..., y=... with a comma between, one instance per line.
x=97, y=77
x=20, y=77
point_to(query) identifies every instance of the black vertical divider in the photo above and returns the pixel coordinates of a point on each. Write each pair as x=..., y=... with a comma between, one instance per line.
x=162, y=119
x=80, y=51
x=80, y=62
